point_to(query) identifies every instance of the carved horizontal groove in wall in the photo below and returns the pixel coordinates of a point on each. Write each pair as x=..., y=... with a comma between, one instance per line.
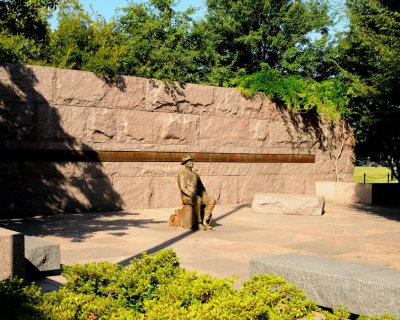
x=146, y=156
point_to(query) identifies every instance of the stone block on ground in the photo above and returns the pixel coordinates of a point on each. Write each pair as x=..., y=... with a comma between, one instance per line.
x=41, y=255
x=288, y=204
x=363, y=289
x=12, y=261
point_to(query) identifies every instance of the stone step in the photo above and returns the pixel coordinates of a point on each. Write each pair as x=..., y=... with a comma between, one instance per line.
x=41, y=255
x=364, y=289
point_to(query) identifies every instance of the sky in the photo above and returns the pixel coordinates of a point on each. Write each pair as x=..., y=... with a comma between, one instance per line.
x=107, y=8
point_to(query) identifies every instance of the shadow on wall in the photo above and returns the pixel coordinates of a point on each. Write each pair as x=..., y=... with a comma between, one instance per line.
x=309, y=130
x=33, y=188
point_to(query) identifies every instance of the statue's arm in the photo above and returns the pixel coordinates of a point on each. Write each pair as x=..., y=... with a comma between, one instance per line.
x=183, y=187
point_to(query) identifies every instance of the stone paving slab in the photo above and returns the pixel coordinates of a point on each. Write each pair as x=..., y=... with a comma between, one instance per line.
x=364, y=289
x=359, y=234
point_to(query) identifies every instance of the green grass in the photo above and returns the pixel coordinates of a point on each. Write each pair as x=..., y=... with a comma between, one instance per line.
x=373, y=175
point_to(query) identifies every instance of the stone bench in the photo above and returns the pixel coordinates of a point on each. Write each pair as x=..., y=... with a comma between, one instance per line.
x=25, y=255
x=288, y=204
x=41, y=255
x=364, y=289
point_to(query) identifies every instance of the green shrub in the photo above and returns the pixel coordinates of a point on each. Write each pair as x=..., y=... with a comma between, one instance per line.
x=18, y=300
x=155, y=287
x=67, y=305
x=139, y=281
x=92, y=278
x=281, y=300
x=188, y=294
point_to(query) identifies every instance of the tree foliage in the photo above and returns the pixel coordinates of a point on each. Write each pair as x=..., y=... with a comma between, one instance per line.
x=24, y=29
x=247, y=33
x=160, y=41
x=84, y=42
x=370, y=57
x=25, y=17
x=328, y=98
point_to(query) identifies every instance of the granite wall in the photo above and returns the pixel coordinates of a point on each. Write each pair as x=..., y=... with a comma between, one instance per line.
x=56, y=109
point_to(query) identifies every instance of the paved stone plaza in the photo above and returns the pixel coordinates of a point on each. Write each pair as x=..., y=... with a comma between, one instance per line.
x=361, y=234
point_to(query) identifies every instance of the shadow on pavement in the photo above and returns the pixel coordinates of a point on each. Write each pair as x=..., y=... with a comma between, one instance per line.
x=169, y=242
x=391, y=213
x=78, y=227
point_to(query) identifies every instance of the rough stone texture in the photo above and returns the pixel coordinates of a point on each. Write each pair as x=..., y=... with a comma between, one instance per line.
x=136, y=192
x=128, y=93
x=80, y=88
x=224, y=131
x=363, y=289
x=101, y=124
x=288, y=204
x=177, y=129
x=41, y=255
x=259, y=130
x=136, y=126
x=160, y=98
x=62, y=122
x=194, y=99
x=166, y=193
x=12, y=262
x=26, y=83
x=48, y=108
x=19, y=121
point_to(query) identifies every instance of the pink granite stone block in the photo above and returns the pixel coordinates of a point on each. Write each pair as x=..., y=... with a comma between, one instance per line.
x=101, y=124
x=129, y=93
x=11, y=254
x=62, y=122
x=224, y=131
x=177, y=129
x=160, y=98
x=136, y=126
x=166, y=193
x=135, y=192
x=195, y=99
x=26, y=83
x=80, y=88
x=230, y=190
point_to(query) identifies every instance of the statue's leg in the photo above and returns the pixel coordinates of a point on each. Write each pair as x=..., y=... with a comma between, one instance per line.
x=197, y=210
x=210, y=204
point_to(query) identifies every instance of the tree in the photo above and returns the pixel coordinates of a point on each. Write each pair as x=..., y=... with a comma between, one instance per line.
x=282, y=34
x=85, y=43
x=370, y=57
x=24, y=29
x=160, y=42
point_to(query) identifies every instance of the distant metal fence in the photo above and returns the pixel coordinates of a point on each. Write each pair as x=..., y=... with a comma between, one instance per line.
x=387, y=178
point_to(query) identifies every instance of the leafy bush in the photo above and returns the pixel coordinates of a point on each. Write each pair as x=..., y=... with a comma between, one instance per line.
x=328, y=98
x=67, y=305
x=17, y=300
x=92, y=278
x=155, y=287
x=140, y=280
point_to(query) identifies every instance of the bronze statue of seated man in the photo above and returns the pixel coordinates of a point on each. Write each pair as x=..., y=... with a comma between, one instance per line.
x=194, y=194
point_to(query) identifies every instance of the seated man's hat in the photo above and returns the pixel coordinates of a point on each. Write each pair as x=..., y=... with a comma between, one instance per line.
x=186, y=159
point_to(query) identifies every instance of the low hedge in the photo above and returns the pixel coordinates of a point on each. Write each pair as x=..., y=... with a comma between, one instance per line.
x=155, y=287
